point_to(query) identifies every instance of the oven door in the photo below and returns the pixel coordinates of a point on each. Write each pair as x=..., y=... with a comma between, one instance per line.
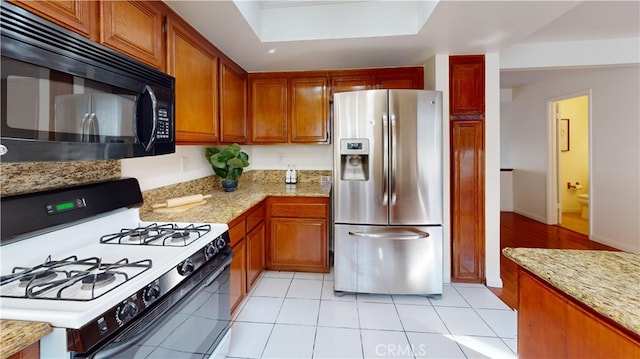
x=187, y=323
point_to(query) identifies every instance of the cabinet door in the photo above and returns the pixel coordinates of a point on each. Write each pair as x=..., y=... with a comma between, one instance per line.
x=466, y=82
x=238, y=278
x=400, y=78
x=467, y=200
x=309, y=110
x=233, y=103
x=268, y=110
x=255, y=254
x=195, y=67
x=298, y=244
x=356, y=82
x=80, y=16
x=134, y=28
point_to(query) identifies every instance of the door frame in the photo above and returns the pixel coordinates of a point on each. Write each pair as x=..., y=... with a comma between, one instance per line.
x=553, y=186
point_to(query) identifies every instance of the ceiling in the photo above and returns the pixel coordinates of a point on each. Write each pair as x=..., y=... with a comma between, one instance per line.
x=309, y=35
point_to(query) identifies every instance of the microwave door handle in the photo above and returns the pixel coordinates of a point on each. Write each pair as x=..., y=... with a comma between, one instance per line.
x=84, y=130
x=154, y=118
x=94, y=130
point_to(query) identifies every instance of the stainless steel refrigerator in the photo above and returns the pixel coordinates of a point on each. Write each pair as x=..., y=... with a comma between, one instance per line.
x=387, y=192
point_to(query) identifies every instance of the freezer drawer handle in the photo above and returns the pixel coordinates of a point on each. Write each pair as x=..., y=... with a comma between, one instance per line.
x=393, y=234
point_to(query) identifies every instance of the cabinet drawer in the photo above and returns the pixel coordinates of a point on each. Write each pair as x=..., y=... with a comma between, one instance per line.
x=299, y=210
x=256, y=217
x=237, y=231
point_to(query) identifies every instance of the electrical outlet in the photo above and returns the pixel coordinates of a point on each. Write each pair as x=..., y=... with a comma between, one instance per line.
x=280, y=157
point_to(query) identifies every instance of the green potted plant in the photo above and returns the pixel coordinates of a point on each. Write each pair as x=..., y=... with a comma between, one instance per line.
x=228, y=164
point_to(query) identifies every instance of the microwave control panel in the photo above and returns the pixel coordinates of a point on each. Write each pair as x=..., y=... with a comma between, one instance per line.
x=164, y=125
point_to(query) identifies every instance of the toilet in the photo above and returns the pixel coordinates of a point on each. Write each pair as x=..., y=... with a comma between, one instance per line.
x=583, y=199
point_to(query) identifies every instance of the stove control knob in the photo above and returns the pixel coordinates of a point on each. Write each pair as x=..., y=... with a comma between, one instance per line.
x=151, y=293
x=127, y=311
x=210, y=250
x=220, y=243
x=186, y=267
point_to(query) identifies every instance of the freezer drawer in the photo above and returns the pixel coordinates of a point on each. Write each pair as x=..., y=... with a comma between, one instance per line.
x=388, y=260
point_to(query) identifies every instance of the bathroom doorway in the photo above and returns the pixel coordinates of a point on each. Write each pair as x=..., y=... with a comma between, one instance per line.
x=570, y=124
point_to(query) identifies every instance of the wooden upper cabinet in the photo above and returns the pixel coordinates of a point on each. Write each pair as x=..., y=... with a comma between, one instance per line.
x=134, y=28
x=400, y=78
x=346, y=81
x=268, y=109
x=466, y=83
x=233, y=102
x=194, y=64
x=80, y=16
x=309, y=110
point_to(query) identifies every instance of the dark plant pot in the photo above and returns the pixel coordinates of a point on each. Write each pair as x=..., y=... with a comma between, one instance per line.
x=229, y=185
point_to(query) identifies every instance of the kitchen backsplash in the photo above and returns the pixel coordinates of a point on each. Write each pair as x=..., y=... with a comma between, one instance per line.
x=25, y=177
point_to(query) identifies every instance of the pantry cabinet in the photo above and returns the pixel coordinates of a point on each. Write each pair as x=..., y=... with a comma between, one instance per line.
x=298, y=234
x=194, y=63
x=466, y=103
x=80, y=16
x=134, y=28
x=233, y=102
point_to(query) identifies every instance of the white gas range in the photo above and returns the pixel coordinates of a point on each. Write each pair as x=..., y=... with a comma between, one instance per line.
x=110, y=284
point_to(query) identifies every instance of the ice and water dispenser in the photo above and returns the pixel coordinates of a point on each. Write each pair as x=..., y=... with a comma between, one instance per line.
x=354, y=159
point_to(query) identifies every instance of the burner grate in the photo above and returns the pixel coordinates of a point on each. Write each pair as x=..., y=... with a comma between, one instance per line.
x=70, y=278
x=158, y=235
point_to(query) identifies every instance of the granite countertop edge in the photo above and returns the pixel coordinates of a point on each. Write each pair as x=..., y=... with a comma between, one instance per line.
x=606, y=281
x=16, y=335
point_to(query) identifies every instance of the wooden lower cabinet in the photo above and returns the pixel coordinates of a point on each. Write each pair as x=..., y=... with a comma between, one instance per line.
x=30, y=352
x=238, y=286
x=298, y=234
x=256, y=242
x=553, y=325
x=247, y=234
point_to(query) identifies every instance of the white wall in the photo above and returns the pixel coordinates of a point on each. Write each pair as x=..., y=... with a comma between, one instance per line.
x=615, y=149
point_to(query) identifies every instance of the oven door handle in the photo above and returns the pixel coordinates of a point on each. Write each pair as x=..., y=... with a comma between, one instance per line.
x=140, y=329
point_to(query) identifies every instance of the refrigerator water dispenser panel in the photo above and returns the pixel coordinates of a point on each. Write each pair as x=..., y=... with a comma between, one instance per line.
x=354, y=157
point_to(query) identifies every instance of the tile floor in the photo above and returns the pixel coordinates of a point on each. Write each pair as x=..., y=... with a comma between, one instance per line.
x=297, y=315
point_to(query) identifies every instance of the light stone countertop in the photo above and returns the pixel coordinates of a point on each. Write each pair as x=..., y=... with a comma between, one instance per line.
x=17, y=335
x=607, y=281
x=223, y=207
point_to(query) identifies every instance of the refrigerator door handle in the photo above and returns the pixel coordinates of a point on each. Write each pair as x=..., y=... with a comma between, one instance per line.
x=393, y=234
x=394, y=158
x=385, y=159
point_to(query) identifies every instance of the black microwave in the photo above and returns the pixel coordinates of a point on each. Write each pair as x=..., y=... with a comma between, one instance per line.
x=67, y=98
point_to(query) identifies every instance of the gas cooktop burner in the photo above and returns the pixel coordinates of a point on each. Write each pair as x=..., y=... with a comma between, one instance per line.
x=99, y=280
x=70, y=278
x=38, y=277
x=158, y=235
